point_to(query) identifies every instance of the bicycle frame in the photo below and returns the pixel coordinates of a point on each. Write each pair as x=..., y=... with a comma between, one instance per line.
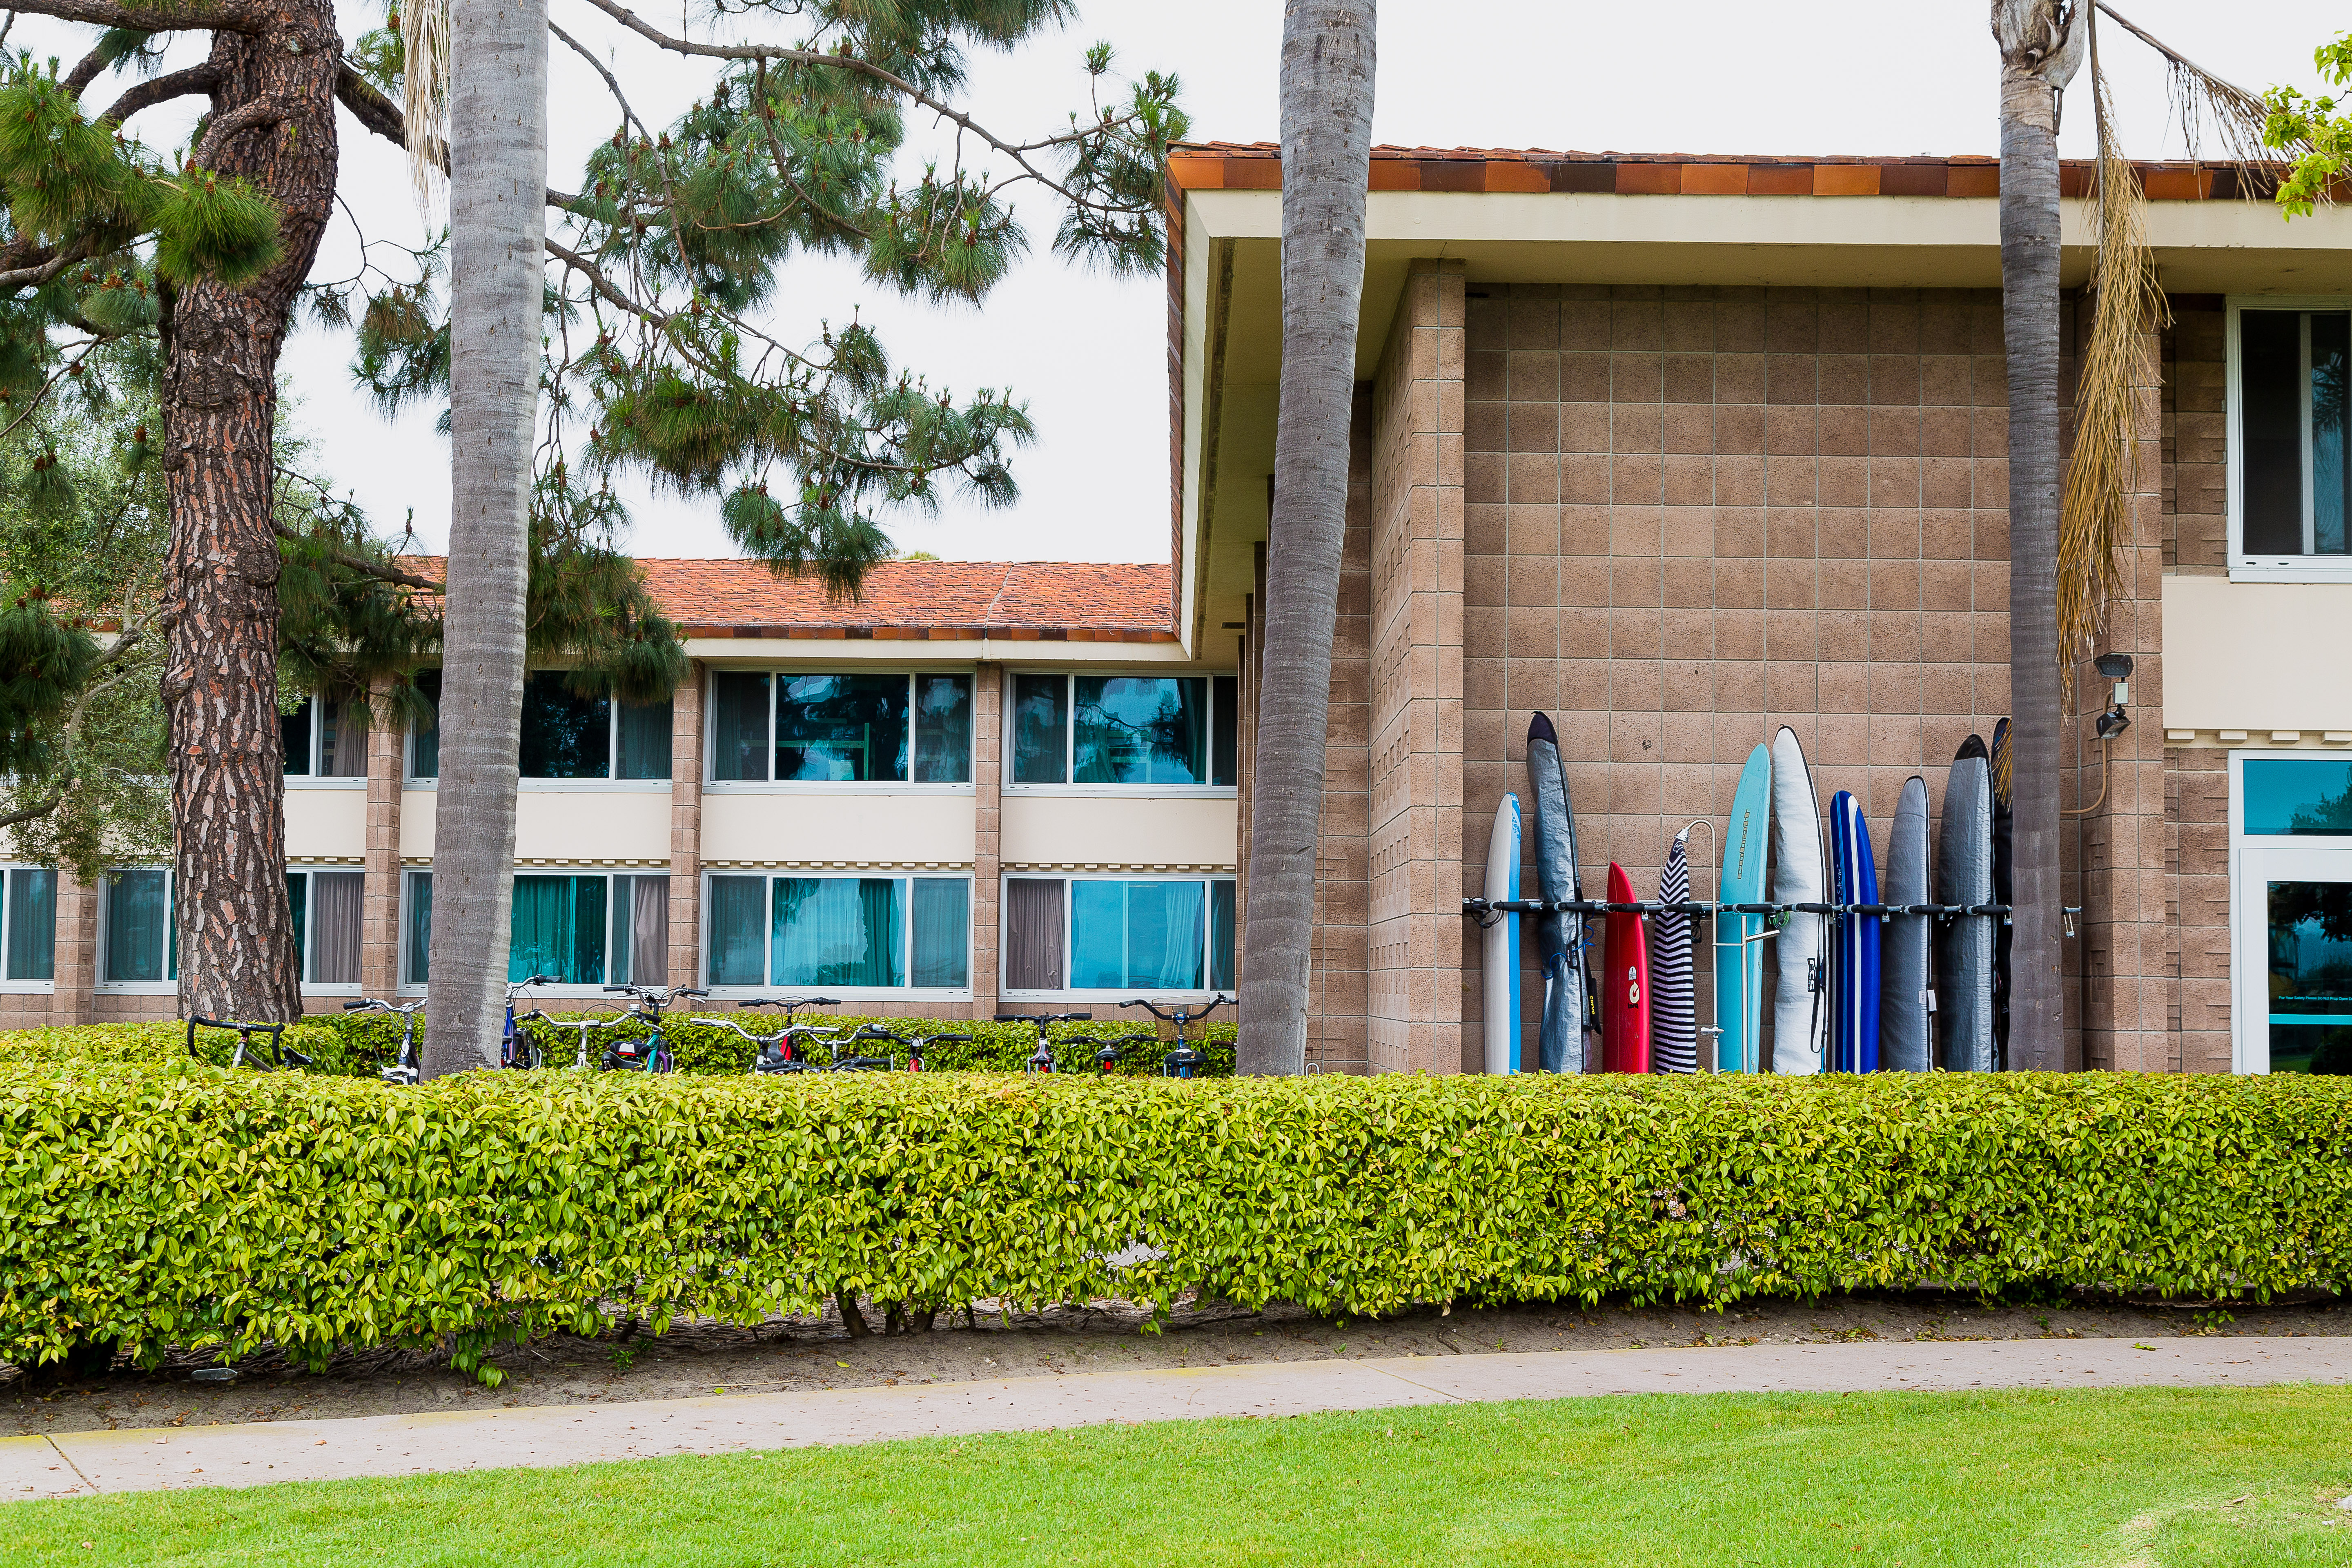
x=780, y=1052
x=1042, y=1060
x=404, y=1068
x=282, y=1054
x=651, y=1002
x=1185, y=1060
x=517, y=1049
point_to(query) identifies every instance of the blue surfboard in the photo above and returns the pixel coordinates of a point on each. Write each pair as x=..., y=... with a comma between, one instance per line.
x=1854, y=1025
x=1739, y=950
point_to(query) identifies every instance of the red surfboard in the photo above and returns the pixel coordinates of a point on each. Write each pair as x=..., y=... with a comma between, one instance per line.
x=1624, y=984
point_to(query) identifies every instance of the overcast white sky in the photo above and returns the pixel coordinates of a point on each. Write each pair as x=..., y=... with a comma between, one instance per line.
x=1087, y=354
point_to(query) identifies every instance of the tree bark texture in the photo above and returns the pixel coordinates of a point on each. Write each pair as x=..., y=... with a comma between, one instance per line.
x=498, y=223
x=2040, y=42
x=1328, y=50
x=239, y=953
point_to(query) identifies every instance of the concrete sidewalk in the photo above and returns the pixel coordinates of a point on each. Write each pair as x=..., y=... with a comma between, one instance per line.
x=81, y=1463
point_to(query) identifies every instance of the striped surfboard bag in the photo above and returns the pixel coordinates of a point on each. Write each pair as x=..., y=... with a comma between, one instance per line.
x=1674, y=1016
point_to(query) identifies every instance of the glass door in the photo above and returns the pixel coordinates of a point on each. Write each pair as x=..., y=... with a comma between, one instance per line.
x=2293, y=968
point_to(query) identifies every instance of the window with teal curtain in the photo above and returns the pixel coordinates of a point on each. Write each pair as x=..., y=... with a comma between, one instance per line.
x=1220, y=936
x=557, y=928
x=1140, y=936
x=32, y=924
x=739, y=938
x=138, y=926
x=942, y=944
x=420, y=926
x=1132, y=730
x=644, y=741
x=425, y=736
x=837, y=930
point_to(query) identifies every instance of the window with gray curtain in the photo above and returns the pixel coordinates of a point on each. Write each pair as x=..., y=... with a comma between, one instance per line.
x=640, y=945
x=326, y=737
x=333, y=941
x=1033, y=933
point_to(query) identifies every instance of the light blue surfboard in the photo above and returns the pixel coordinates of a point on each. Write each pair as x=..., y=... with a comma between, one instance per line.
x=1740, y=954
x=1499, y=955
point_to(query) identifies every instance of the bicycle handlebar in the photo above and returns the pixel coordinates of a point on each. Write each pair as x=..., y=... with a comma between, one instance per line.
x=785, y=1002
x=1182, y=1014
x=1044, y=1017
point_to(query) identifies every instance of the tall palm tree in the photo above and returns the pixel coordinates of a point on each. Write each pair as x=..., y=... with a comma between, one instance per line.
x=2041, y=44
x=1326, y=149
x=497, y=224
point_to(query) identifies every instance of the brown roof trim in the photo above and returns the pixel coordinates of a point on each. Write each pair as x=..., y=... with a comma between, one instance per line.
x=1258, y=166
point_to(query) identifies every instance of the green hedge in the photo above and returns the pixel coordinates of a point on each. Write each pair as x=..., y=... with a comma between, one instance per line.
x=358, y=1045
x=195, y=1207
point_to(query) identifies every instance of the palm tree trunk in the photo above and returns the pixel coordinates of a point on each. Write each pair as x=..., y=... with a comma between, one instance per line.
x=497, y=221
x=239, y=955
x=1326, y=139
x=2041, y=44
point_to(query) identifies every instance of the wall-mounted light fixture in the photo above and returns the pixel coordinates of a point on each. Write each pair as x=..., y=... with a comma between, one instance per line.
x=2116, y=667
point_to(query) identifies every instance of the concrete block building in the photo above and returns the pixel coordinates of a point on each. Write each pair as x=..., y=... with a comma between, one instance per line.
x=1675, y=450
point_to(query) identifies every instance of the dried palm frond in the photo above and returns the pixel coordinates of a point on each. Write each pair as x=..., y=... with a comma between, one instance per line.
x=2197, y=95
x=424, y=92
x=2094, y=514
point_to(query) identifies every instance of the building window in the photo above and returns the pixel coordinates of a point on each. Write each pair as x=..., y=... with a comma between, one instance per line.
x=28, y=928
x=138, y=932
x=1127, y=935
x=2290, y=904
x=325, y=738
x=564, y=735
x=327, y=912
x=2291, y=438
x=785, y=728
x=841, y=933
x=1148, y=732
x=589, y=928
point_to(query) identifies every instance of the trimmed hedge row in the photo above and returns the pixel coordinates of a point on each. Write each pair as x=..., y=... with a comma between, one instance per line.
x=357, y=1044
x=195, y=1207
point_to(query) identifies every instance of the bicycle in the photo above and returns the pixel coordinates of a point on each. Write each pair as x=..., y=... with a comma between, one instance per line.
x=914, y=1044
x=518, y=1050
x=403, y=1069
x=586, y=1027
x=1042, y=1058
x=282, y=1054
x=1185, y=1060
x=1109, y=1052
x=651, y=1001
x=781, y=1052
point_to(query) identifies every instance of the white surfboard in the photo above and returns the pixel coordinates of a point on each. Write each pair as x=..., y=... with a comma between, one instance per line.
x=1499, y=958
x=1800, y=1003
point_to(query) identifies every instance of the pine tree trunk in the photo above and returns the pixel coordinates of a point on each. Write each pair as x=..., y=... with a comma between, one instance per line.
x=2030, y=306
x=239, y=956
x=1328, y=47
x=497, y=225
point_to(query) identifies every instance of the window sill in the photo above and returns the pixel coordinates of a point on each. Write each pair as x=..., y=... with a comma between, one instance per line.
x=1112, y=998
x=135, y=988
x=312, y=781
x=848, y=993
x=566, y=786
x=2308, y=570
x=1122, y=792
x=804, y=786
x=29, y=988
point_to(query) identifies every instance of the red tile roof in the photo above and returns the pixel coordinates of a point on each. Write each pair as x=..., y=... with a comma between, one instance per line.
x=1019, y=601
x=1258, y=166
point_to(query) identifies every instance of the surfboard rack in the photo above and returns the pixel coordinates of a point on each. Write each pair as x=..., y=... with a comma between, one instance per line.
x=1481, y=909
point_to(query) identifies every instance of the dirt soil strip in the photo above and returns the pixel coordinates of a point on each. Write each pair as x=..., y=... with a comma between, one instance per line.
x=68, y=1464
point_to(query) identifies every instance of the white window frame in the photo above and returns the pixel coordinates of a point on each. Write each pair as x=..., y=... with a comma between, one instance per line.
x=314, y=779
x=7, y=922
x=310, y=918
x=609, y=784
x=2254, y=860
x=1070, y=730
x=776, y=676
x=847, y=992
x=2244, y=568
x=1069, y=915
x=102, y=986
x=595, y=990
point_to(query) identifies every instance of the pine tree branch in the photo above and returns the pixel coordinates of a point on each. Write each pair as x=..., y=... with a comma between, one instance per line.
x=210, y=15
x=1018, y=152
x=162, y=89
x=83, y=74
x=71, y=729
x=246, y=117
x=359, y=563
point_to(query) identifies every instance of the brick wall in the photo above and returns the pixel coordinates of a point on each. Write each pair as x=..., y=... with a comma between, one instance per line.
x=2197, y=834
x=1695, y=514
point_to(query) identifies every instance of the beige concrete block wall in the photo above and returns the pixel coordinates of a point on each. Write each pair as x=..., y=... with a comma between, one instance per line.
x=1414, y=1001
x=1695, y=514
x=987, y=829
x=380, y=886
x=2196, y=437
x=1339, y=980
x=686, y=832
x=2197, y=837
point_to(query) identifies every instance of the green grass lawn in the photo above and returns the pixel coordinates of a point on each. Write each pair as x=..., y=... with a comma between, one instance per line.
x=2151, y=1479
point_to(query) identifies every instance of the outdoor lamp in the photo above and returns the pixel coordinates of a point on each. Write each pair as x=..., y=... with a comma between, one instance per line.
x=2117, y=667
